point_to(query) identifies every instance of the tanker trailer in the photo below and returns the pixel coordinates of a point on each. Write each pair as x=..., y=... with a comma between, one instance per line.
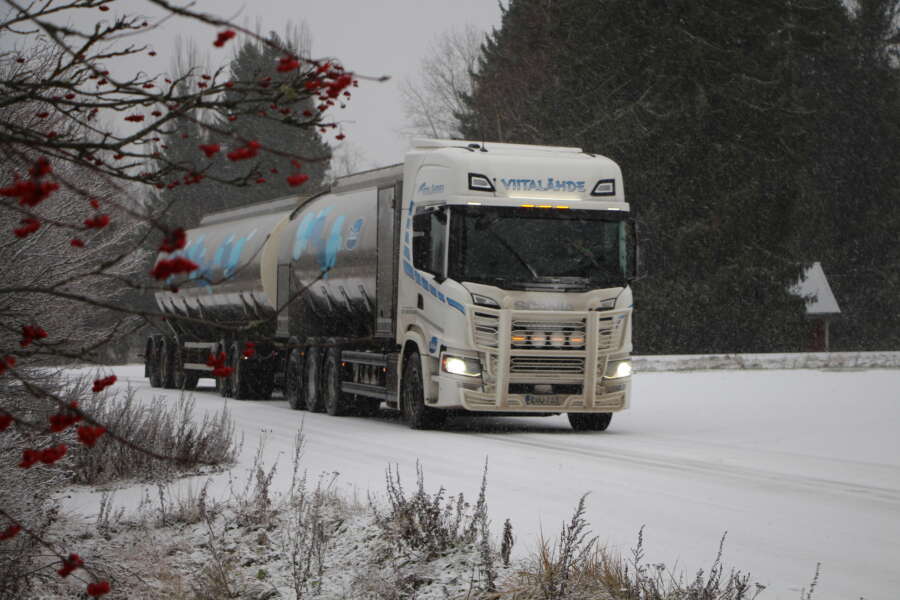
x=472, y=277
x=221, y=305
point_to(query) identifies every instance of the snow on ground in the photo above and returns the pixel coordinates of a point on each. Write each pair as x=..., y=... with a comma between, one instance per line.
x=798, y=466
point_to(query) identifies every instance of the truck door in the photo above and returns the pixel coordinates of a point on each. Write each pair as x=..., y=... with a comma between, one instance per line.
x=388, y=247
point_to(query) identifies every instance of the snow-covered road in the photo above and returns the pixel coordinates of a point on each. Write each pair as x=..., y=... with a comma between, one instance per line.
x=798, y=467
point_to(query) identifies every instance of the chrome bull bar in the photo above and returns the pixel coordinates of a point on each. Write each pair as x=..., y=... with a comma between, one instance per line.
x=547, y=348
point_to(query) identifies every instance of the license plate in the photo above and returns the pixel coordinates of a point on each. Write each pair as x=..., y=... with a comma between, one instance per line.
x=544, y=399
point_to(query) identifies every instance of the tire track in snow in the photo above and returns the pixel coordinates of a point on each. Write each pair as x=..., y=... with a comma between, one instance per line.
x=882, y=495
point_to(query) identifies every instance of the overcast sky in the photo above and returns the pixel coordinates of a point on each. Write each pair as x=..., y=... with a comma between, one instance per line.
x=370, y=37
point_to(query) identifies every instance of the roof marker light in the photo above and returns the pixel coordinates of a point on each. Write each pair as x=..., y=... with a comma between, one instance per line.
x=604, y=187
x=480, y=183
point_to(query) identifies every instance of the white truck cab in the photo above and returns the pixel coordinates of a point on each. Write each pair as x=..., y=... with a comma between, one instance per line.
x=513, y=292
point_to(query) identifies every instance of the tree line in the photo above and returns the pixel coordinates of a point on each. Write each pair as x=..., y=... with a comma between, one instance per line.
x=755, y=138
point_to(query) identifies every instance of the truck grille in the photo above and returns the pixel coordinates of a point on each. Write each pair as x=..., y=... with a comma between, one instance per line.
x=611, y=330
x=486, y=326
x=546, y=366
x=548, y=335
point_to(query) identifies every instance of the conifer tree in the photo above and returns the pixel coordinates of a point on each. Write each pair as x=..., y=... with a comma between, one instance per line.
x=722, y=114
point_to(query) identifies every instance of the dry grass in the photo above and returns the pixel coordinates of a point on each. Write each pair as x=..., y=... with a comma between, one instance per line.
x=170, y=430
x=576, y=568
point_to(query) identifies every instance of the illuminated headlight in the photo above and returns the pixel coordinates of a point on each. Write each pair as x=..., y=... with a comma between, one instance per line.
x=618, y=369
x=461, y=365
x=484, y=301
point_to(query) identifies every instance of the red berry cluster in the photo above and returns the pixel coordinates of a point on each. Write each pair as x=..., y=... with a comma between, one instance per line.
x=101, y=384
x=218, y=365
x=173, y=266
x=248, y=151
x=31, y=333
x=32, y=191
x=176, y=240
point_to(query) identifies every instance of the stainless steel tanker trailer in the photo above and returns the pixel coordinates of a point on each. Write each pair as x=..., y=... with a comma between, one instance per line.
x=487, y=278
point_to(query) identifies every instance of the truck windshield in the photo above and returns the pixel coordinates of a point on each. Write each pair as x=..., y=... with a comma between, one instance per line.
x=536, y=247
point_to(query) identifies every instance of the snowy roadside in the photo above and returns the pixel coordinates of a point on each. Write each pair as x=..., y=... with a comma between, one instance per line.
x=797, y=465
x=799, y=360
x=307, y=543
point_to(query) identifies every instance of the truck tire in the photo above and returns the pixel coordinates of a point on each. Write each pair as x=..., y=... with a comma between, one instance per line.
x=293, y=380
x=241, y=374
x=262, y=377
x=152, y=359
x=167, y=363
x=313, y=380
x=337, y=403
x=589, y=421
x=184, y=380
x=412, y=397
x=190, y=381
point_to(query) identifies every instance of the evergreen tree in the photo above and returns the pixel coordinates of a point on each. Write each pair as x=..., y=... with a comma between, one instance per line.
x=718, y=111
x=854, y=226
x=266, y=177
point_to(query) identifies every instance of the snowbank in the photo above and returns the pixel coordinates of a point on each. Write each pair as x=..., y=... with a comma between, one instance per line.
x=800, y=360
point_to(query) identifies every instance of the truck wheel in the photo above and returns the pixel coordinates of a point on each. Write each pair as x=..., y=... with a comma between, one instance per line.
x=590, y=421
x=190, y=380
x=263, y=379
x=313, y=380
x=183, y=379
x=241, y=375
x=152, y=359
x=293, y=380
x=336, y=402
x=167, y=363
x=412, y=397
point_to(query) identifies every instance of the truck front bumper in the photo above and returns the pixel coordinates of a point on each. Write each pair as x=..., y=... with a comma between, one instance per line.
x=565, y=370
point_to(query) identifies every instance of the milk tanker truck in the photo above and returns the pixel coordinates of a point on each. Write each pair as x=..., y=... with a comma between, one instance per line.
x=473, y=277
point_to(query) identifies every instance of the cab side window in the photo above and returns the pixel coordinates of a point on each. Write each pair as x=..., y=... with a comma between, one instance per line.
x=429, y=240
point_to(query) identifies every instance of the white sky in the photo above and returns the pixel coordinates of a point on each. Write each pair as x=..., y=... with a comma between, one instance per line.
x=370, y=37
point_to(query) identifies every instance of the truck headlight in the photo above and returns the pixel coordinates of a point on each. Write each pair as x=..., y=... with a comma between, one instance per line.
x=618, y=369
x=461, y=365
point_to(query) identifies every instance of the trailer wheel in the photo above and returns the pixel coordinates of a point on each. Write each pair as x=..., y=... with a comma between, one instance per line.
x=337, y=403
x=412, y=397
x=589, y=421
x=262, y=378
x=151, y=357
x=190, y=381
x=313, y=379
x=223, y=384
x=241, y=375
x=167, y=363
x=293, y=380
x=183, y=379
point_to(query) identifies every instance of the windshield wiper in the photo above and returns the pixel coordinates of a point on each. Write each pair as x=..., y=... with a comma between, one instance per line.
x=513, y=251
